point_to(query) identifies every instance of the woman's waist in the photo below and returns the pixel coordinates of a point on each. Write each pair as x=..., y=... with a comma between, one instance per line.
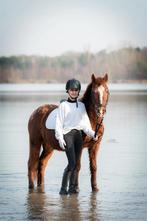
x=74, y=129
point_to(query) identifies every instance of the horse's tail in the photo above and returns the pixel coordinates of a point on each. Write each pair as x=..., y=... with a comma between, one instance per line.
x=35, y=141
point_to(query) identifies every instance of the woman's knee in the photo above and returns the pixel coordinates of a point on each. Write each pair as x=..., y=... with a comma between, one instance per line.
x=72, y=166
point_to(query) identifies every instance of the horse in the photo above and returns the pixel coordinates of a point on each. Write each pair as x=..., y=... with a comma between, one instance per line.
x=95, y=99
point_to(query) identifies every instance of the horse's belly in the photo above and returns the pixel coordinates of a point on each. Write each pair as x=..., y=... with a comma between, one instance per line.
x=51, y=119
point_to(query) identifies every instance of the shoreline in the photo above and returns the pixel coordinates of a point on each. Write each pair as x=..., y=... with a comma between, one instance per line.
x=60, y=88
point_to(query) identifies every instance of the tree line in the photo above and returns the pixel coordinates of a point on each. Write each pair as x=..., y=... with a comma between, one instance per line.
x=123, y=65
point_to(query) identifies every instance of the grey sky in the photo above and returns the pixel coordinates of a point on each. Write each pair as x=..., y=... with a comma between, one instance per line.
x=51, y=27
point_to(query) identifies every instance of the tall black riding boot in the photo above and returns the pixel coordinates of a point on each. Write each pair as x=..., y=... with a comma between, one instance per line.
x=72, y=183
x=65, y=179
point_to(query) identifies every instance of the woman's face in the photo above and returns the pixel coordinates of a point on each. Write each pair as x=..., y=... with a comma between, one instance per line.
x=73, y=93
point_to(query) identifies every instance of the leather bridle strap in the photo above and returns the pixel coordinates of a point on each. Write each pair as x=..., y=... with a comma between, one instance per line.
x=97, y=127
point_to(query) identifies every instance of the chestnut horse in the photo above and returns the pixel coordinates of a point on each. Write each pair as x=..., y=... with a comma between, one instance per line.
x=95, y=99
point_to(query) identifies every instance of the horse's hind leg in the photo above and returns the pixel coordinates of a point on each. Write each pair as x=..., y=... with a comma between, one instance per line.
x=33, y=163
x=45, y=156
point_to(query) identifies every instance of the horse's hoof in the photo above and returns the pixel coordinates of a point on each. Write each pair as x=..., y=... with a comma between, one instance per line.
x=31, y=186
x=95, y=189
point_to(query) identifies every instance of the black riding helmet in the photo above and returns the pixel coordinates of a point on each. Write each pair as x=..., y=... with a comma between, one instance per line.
x=73, y=84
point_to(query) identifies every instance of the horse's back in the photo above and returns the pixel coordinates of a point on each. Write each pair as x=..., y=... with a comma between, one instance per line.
x=37, y=120
x=41, y=112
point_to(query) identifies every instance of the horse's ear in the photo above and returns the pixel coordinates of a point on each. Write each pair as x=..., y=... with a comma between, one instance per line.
x=106, y=78
x=93, y=78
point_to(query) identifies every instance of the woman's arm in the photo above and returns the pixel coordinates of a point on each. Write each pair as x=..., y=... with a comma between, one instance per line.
x=87, y=125
x=59, y=123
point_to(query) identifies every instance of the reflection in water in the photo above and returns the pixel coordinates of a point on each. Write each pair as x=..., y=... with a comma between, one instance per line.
x=41, y=206
x=36, y=204
x=94, y=207
x=70, y=208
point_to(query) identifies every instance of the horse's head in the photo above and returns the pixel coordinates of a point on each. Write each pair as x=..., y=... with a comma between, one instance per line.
x=99, y=94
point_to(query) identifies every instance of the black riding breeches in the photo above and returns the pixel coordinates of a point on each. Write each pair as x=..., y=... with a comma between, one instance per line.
x=74, y=143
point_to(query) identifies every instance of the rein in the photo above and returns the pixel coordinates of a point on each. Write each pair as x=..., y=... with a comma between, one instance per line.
x=98, y=126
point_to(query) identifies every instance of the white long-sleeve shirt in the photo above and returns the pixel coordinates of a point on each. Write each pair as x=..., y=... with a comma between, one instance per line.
x=69, y=117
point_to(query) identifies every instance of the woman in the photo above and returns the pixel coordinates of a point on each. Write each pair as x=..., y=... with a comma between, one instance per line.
x=71, y=120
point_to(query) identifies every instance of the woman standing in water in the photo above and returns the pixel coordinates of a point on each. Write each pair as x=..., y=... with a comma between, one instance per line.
x=71, y=120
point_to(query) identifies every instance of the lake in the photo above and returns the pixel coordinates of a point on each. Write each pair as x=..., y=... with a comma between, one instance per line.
x=121, y=175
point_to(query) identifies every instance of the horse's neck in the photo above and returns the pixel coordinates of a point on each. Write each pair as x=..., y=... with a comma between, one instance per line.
x=91, y=111
x=90, y=108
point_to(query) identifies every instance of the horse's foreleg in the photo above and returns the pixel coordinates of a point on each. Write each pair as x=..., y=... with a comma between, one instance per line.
x=93, y=166
x=45, y=156
x=33, y=163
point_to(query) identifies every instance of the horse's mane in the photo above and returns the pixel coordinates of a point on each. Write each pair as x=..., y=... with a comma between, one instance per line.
x=85, y=99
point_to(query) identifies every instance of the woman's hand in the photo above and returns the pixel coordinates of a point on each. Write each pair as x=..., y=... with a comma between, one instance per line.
x=95, y=138
x=62, y=144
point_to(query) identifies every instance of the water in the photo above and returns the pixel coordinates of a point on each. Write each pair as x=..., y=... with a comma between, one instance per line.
x=122, y=174
x=44, y=88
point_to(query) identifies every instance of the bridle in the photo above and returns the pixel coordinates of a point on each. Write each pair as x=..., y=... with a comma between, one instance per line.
x=98, y=107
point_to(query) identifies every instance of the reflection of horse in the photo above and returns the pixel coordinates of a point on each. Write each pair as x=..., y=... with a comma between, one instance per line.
x=95, y=99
